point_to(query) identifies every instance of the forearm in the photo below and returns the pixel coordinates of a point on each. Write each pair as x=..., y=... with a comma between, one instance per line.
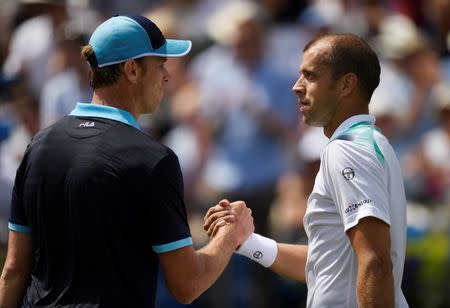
x=291, y=261
x=212, y=260
x=375, y=285
x=189, y=273
x=12, y=286
x=16, y=270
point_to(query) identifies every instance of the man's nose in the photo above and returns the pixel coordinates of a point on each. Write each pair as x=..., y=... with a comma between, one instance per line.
x=298, y=87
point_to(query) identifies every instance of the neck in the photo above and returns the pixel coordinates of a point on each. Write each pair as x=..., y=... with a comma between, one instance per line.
x=116, y=96
x=344, y=114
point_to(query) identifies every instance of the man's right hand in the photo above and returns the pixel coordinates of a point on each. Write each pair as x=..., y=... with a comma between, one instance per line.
x=188, y=272
x=234, y=218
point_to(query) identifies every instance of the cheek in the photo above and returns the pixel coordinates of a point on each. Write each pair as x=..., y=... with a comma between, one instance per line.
x=319, y=94
x=313, y=94
x=153, y=85
x=313, y=89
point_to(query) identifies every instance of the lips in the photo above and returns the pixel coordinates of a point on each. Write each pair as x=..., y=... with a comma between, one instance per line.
x=304, y=105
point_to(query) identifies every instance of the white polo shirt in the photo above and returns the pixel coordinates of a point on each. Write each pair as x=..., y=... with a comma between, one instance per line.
x=359, y=176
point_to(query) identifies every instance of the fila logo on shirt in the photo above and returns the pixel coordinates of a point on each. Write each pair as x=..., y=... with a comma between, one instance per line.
x=87, y=124
x=348, y=173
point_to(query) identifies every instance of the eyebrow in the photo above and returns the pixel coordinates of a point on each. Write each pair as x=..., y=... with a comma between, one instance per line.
x=305, y=70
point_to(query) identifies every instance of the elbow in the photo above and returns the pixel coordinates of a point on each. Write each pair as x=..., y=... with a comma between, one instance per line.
x=185, y=294
x=12, y=272
x=378, y=265
x=184, y=299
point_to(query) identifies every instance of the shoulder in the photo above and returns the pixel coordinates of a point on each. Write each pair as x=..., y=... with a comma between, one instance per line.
x=40, y=135
x=345, y=158
x=140, y=148
x=338, y=149
x=150, y=146
x=358, y=142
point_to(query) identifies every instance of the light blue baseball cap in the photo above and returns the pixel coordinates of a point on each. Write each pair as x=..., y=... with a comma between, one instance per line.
x=126, y=37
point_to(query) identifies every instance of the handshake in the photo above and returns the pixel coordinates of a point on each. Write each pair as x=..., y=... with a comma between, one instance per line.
x=234, y=221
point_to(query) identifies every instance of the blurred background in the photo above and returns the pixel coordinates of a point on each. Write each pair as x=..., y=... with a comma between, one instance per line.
x=230, y=116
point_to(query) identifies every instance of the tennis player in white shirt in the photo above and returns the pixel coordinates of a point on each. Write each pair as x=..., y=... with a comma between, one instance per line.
x=356, y=215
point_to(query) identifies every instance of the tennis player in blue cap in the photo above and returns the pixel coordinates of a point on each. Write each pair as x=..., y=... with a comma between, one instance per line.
x=98, y=205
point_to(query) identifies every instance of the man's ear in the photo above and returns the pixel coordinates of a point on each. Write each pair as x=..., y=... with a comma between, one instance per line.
x=348, y=83
x=130, y=71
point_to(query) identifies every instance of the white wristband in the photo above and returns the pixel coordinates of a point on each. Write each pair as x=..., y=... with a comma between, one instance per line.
x=259, y=249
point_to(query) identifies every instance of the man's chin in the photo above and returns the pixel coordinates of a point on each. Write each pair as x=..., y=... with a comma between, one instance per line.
x=312, y=122
x=307, y=120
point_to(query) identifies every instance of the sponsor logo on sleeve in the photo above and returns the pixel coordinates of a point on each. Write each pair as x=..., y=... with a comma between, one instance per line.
x=355, y=206
x=348, y=173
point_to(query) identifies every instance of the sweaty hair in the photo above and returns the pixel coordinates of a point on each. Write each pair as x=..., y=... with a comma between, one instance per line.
x=351, y=54
x=103, y=76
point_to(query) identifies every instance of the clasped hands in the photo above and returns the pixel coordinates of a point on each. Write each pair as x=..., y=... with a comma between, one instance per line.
x=233, y=217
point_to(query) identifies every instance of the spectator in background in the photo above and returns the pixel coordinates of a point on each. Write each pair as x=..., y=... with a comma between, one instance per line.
x=284, y=11
x=344, y=16
x=13, y=148
x=22, y=126
x=69, y=85
x=382, y=107
x=5, y=30
x=437, y=23
x=6, y=114
x=248, y=104
x=445, y=62
x=285, y=36
x=427, y=264
x=410, y=70
x=435, y=146
x=289, y=207
x=195, y=14
x=33, y=41
x=430, y=16
x=110, y=8
x=248, y=109
x=7, y=84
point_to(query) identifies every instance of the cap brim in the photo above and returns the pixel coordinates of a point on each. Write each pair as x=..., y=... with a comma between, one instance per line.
x=174, y=48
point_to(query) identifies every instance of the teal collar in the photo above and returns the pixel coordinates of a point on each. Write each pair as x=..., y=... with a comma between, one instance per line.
x=106, y=112
x=353, y=121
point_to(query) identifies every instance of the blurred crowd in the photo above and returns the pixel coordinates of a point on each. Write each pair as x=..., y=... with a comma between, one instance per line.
x=231, y=118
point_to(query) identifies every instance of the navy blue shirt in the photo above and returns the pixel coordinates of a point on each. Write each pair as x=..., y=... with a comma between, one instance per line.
x=101, y=200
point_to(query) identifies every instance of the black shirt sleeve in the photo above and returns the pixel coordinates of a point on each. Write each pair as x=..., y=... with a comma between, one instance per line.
x=170, y=229
x=18, y=219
